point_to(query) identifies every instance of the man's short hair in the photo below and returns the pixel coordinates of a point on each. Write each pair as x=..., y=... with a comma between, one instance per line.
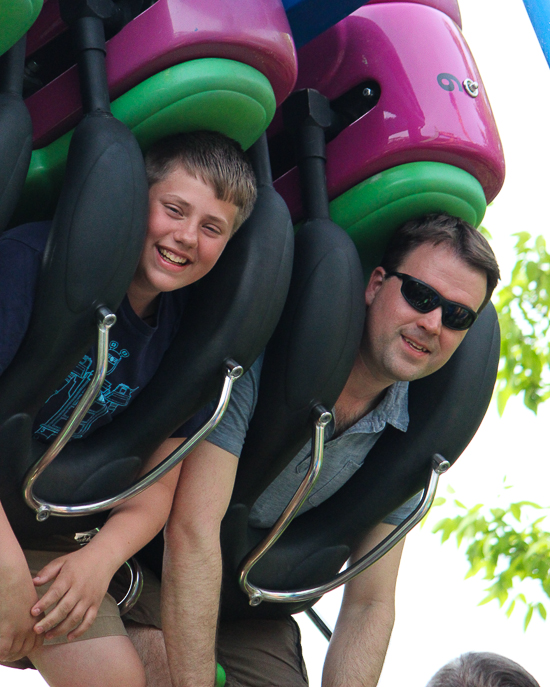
x=482, y=669
x=466, y=241
x=213, y=157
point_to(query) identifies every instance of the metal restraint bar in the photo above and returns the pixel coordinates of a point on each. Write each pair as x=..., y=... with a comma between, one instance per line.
x=135, y=586
x=321, y=418
x=256, y=595
x=105, y=320
x=43, y=509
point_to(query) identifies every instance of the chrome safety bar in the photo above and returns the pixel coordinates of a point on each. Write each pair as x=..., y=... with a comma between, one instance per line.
x=105, y=320
x=257, y=595
x=131, y=597
x=321, y=418
x=135, y=587
x=43, y=509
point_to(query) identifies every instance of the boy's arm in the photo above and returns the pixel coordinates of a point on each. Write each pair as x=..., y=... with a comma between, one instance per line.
x=358, y=646
x=17, y=595
x=191, y=576
x=82, y=577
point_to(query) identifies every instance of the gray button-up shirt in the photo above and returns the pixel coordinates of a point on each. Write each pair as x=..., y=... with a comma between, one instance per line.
x=343, y=456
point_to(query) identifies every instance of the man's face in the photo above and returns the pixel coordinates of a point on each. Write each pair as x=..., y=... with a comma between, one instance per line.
x=187, y=231
x=400, y=343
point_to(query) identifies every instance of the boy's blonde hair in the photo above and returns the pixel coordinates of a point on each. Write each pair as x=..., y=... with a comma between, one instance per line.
x=213, y=157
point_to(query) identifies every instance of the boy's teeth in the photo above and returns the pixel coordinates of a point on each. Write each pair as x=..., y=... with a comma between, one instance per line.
x=172, y=257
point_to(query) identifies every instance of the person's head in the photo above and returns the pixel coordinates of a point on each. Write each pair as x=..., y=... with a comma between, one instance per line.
x=482, y=669
x=462, y=238
x=201, y=189
x=213, y=158
x=437, y=273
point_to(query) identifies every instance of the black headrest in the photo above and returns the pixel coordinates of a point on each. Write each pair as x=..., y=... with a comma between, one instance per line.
x=16, y=130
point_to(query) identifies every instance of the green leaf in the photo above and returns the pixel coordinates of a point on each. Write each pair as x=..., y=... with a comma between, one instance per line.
x=528, y=617
x=515, y=509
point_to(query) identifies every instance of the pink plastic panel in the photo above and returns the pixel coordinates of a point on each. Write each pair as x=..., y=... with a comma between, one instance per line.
x=422, y=115
x=254, y=32
x=450, y=7
x=48, y=25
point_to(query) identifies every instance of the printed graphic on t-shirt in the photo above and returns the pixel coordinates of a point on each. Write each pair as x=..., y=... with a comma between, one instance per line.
x=69, y=394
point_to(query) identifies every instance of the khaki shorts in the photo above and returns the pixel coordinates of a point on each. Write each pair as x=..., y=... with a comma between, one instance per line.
x=108, y=622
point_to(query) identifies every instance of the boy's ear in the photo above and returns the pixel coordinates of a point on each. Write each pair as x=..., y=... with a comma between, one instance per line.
x=375, y=282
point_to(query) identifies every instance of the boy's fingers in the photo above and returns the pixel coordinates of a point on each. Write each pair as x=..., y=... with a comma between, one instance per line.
x=56, y=616
x=87, y=622
x=48, y=572
x=53, y=596
x=71, y=622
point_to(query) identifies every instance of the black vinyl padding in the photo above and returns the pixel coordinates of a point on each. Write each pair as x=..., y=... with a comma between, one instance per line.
x=310, y=355
x=91, y=255
x=16, y=129
x=445, y=410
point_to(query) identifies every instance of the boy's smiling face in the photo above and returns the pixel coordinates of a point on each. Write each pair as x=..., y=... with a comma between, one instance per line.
x=188, y=228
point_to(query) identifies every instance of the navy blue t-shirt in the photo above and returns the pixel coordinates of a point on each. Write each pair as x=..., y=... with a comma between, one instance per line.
x=135, y=347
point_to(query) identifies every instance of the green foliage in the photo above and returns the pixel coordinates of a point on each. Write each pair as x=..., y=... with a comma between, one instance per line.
x=508, y=546
x=523, y=308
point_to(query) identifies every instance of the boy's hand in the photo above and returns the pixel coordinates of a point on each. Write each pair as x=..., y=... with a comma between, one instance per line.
x=17, y=596
x=71, y=603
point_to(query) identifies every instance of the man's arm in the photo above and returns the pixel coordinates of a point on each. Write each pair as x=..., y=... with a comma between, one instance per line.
x=358, y=646
x=191, y=575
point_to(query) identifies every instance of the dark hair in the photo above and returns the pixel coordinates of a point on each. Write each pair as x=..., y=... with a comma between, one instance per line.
x=465, y=240
x=216, y=159
x=482, y=669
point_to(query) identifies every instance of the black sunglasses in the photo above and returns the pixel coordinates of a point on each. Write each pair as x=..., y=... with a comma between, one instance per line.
x=424, y=298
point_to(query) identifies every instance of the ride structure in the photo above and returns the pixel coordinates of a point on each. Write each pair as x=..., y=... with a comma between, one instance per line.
x=396, y=132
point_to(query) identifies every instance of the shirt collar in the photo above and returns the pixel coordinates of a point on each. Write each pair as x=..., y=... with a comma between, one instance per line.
x=393, y=409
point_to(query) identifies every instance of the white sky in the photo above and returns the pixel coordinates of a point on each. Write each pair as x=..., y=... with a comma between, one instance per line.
x=437, y=613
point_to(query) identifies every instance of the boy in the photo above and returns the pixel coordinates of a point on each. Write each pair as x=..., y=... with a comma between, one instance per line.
x=201, y=189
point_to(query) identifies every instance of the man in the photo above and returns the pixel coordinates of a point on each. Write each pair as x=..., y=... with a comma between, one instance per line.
x=436, y=275
x=482, y=669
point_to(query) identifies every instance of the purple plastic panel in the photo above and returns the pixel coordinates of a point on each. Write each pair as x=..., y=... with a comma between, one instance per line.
x=255, y=32
x=419, y=58
x=48, y=25
x=450, y=7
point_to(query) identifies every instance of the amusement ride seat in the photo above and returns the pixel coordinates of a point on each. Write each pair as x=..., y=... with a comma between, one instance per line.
x=95, y=243
x=407, y=137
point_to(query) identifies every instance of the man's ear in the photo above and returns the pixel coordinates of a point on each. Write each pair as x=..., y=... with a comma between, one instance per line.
x=375, y=282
